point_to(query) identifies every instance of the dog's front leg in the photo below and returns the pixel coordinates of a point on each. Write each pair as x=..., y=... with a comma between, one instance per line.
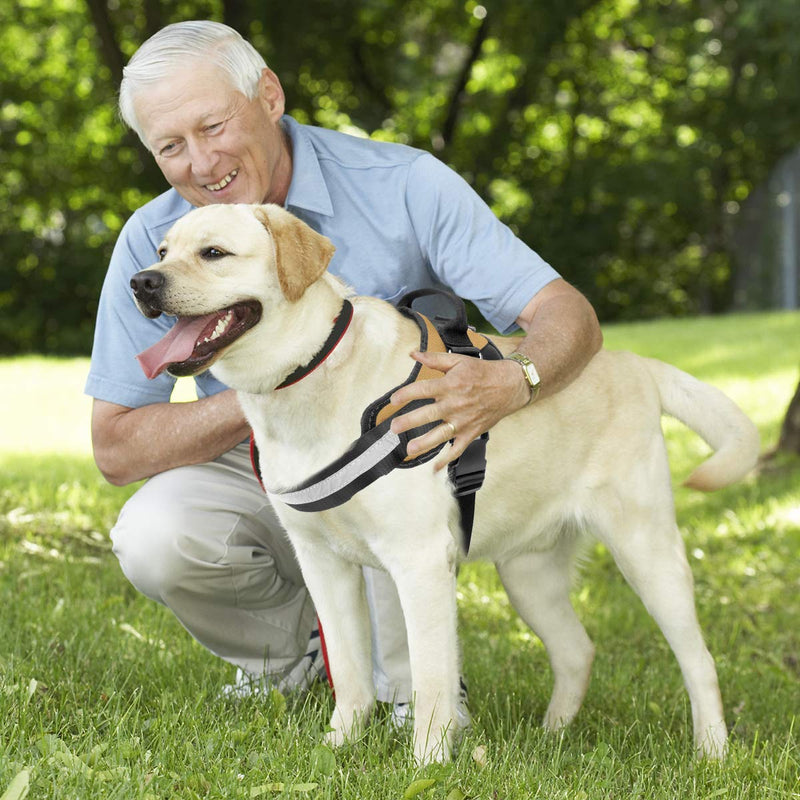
x=337, y=589
x=426, y=586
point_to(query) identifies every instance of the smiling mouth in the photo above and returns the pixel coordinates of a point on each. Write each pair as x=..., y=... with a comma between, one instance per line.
x=215, y=187
x=195, y=342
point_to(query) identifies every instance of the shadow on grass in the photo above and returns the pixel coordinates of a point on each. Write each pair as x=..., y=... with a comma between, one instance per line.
x=54, y=493
x=743, y=545
x=87, y=663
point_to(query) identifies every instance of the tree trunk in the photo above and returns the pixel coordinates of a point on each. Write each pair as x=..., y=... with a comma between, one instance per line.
x=151, y=178
x=457, y=95
x=112, y=54
x=789, y=441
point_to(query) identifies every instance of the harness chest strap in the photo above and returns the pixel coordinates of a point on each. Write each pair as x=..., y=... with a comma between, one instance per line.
x=378, y=450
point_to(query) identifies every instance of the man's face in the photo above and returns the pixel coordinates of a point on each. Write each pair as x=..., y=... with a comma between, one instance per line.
x=212, y=143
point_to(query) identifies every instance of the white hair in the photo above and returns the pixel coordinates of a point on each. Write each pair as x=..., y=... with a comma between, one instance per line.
x=182, y=43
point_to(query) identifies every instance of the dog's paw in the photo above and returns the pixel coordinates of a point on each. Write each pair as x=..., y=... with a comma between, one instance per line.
x=713, y=742
x=556, y=719
x=435, y=748
x=347, y=725
x=433, y=753
x=335, y=738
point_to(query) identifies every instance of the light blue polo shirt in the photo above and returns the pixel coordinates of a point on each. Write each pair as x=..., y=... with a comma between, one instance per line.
x=399, y=218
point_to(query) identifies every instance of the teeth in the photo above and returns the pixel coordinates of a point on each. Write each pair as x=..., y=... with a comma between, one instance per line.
x=215, y=187
x=220, y=328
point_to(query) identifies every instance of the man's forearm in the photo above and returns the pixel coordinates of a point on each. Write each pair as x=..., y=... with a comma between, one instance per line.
x=135, y=443
x=560, y=338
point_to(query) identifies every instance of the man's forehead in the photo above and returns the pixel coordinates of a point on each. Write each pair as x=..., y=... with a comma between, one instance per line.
x=190, y=95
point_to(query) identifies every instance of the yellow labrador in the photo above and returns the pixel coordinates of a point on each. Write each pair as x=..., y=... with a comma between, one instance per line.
x=253, y=297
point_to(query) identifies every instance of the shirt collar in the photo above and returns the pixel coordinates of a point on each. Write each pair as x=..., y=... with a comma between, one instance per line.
x=307, y=190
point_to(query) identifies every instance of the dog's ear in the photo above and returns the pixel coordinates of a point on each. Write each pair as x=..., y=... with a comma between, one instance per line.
x=301, y=254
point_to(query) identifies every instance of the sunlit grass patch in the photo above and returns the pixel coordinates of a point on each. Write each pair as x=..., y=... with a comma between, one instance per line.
x=43, y=408
x=104, y=695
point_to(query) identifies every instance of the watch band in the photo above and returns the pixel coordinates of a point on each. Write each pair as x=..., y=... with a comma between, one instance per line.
x=530, y=373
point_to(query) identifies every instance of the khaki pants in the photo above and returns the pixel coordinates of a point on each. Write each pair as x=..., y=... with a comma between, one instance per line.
x=205, y=542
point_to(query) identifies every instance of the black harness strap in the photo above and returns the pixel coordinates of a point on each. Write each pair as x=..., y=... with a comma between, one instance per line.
x=378, y=450
x=467, y=472
x=374, y=454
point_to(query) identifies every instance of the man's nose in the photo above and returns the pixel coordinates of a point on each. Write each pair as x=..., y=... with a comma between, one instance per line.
x=203, y=159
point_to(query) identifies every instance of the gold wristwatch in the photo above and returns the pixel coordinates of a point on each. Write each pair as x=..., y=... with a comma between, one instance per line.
x=530, y=373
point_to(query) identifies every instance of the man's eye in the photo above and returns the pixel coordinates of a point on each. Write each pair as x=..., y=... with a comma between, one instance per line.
x=211, y=253
x=168, y=149
x=213, y=128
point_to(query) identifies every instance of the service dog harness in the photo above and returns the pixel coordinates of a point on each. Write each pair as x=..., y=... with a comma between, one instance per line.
x=378, y=450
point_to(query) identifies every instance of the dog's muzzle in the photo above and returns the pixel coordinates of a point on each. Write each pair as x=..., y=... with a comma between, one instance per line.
x=148, y=287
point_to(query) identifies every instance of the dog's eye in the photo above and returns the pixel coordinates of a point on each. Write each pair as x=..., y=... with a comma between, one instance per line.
x=212, y=253
x=162, y=252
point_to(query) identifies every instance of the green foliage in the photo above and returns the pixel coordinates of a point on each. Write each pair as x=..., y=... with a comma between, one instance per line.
x=618, y=137
x=62, y=168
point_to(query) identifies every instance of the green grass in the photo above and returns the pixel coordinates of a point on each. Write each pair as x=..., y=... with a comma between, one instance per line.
x=103, y=694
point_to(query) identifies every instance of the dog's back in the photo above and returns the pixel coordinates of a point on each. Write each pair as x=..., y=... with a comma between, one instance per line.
x=604, y=430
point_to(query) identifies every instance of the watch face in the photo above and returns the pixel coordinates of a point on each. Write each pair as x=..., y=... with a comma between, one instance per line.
x=533, y=376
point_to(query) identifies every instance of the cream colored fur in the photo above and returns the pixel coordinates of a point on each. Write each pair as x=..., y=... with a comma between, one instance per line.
x=590, y=460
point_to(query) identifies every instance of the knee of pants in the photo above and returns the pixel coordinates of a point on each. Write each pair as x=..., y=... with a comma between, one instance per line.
x=160, y=544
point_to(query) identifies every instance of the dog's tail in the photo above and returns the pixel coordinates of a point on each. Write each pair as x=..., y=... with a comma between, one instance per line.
x=716, y=419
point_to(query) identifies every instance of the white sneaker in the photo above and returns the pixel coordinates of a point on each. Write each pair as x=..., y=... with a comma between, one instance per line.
x=245, y=684
x=309, y=669
x=403, y=713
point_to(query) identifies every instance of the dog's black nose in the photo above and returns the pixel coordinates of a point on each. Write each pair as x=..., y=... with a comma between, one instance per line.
x=147, y=284
x=147, y=288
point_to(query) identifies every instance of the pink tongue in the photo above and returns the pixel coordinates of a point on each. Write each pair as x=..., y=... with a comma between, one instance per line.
x=176, y=346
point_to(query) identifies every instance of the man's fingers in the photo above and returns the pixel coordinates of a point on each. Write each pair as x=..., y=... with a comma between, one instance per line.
x=424, y=415
x=419, y=390
x=464, y=403
x=441, y=434
x=438, y=436
x=451, y=453
x=441, y=362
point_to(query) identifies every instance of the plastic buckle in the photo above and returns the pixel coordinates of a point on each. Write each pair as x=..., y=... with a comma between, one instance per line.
x=468, y=471
x=465, y=351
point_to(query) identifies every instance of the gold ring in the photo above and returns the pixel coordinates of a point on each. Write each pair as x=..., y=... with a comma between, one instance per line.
x=453, y=429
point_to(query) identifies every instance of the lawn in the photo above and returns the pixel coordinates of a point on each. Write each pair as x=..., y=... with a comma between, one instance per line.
x=103, y=695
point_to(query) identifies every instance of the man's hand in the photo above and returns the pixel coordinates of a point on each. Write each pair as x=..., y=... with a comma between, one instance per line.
x=472, y=396
x=562, y=334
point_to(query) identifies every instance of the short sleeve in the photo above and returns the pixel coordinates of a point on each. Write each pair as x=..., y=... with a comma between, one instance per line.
x=467, y=246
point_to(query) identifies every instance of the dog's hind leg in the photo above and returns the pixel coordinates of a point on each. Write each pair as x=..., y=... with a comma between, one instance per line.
x=337, y=589
x=647, y=547
x=538, y=586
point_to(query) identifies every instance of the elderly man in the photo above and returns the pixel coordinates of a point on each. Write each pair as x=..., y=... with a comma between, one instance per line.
x=199, y=536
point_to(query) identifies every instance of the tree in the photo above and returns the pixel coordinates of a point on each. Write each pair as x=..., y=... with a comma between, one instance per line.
x=789, y=439
x=617, y=137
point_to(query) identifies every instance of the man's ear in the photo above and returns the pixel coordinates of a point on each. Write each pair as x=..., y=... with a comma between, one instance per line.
x=271, y=94
x=301, y=254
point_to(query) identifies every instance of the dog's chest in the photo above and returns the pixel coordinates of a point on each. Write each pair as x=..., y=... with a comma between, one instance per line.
x=397, y=518
x=346, y=531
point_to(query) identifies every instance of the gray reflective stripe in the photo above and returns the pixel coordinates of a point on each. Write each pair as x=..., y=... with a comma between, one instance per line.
x=362, y=463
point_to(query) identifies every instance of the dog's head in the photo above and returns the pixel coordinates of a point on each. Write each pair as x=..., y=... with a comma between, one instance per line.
x=220, y=268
